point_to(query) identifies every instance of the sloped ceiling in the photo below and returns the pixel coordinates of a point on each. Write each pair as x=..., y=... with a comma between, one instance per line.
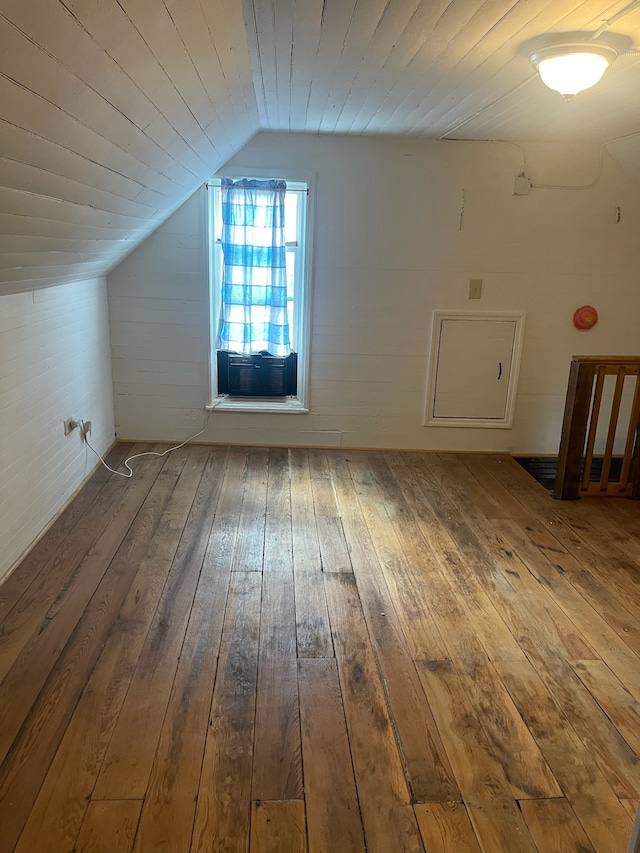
x=113, y=111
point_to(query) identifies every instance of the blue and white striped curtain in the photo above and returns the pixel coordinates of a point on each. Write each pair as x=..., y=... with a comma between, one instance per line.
x=254, y=274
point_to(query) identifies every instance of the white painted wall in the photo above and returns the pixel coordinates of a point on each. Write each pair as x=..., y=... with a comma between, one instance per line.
x=54, y=363
x=158, y=309
x=401, y=225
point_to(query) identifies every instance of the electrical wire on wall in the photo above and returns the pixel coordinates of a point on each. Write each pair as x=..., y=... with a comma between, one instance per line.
x=589, y=186
x=537, y=186
x=621, y=138
x=139, y=455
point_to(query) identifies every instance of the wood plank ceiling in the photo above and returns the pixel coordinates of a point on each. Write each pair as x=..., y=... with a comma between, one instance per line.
x=112, y=114
x=113, y=111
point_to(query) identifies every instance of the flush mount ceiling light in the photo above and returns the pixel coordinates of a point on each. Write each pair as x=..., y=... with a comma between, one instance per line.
x=571, y=67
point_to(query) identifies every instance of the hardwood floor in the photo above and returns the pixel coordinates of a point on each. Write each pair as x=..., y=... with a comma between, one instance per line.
x=246, y=650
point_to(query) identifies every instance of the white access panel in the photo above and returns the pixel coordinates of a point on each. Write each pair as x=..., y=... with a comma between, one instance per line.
x=473, y=369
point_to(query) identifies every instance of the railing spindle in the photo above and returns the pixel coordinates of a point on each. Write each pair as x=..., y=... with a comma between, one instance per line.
x=613, y=425
x=631, y=437
x=593, y=426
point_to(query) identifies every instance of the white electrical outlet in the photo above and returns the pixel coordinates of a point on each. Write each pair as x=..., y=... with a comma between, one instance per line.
x=70, y=424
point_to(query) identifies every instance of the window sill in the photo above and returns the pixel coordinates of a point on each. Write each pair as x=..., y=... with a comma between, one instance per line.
x=260, y=405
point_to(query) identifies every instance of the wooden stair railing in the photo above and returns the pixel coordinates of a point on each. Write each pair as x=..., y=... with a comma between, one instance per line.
x=582, y=412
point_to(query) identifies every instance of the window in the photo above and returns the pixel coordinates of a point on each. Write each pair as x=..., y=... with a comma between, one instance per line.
x=231, y=353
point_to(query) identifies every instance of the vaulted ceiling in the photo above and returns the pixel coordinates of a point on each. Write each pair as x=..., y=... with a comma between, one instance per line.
x=112, y=112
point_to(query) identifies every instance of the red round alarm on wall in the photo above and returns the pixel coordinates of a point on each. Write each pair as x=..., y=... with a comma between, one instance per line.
x=585, y=317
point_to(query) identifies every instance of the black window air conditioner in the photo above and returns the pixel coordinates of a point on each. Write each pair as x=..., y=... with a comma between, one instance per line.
x=260, y=375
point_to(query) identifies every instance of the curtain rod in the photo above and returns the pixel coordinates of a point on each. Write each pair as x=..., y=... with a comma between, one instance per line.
x=289, y=189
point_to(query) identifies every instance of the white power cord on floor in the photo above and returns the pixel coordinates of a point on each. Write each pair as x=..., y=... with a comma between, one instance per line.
x=138, y=455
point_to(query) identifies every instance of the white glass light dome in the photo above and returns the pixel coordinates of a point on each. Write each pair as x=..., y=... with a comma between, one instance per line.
x=570, y=68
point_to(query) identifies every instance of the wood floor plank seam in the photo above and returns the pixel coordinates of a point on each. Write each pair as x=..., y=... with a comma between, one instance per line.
x=171, y=798
x=428, y=773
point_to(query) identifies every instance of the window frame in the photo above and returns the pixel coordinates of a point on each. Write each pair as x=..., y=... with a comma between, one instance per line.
x=302, y=296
